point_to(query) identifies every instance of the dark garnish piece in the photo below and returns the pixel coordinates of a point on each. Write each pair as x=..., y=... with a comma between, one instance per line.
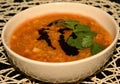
x=73, y=35
x=62, y=30
x=44, y=36
x=69, y=50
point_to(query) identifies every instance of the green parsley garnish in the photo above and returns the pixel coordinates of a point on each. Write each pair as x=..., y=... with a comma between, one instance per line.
x=97, y=48
x=84, y=36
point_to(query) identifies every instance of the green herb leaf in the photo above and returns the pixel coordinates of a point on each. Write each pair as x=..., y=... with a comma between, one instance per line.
x=75, y=42
x=81, y=28
x=71, y=41
x=84, y=34
x=96, y=48
x=87, y=41
x=91, y=34
x=69, y=23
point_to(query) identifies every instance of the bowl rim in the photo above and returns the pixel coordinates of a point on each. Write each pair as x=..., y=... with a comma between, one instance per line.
x=62, y=63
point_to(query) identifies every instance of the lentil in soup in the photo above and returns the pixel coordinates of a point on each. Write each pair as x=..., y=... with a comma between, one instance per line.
x=59, y=38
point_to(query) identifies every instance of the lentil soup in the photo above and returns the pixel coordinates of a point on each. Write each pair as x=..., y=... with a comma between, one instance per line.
x=42, y=40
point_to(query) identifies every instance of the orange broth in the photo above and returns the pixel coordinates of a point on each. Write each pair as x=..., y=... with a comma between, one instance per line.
x=24, y=39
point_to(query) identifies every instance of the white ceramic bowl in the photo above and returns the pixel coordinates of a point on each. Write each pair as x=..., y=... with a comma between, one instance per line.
x=67, y=71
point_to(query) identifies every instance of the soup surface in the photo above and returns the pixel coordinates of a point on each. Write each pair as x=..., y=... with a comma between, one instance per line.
x=41, y=39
